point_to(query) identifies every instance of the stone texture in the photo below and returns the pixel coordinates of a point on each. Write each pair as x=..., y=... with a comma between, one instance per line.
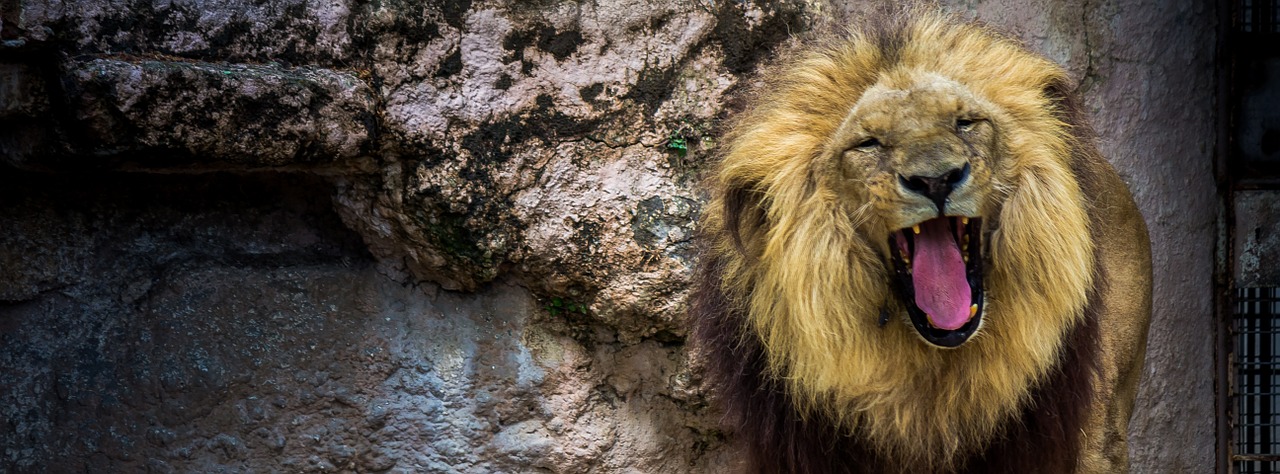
x=1256, y=241
x=166, y=113
x=383, y=236
x=164, y=333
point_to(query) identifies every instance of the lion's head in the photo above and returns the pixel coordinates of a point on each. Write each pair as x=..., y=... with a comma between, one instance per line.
x=898, y=218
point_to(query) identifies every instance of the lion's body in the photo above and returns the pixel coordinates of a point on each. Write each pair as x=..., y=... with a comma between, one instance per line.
x=795, y=283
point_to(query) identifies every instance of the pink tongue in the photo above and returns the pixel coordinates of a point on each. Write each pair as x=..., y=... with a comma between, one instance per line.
x=937, y=269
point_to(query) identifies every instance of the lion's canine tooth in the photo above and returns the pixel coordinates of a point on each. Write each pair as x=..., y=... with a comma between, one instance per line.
x=916, y=229
x=973, y=310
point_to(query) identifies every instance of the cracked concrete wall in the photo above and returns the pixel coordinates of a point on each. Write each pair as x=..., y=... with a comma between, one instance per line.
x=455, y=237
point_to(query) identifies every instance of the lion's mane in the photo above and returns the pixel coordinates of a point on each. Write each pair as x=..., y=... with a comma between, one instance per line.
x=793, y=284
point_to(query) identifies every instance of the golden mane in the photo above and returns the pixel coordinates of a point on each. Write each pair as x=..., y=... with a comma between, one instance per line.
x=808, y=269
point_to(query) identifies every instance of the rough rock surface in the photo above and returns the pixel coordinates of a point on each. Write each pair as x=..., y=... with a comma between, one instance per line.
x=164, y=333
x=374, y=236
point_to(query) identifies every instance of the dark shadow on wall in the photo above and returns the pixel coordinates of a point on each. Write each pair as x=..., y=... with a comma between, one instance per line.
x=231, y=322
x=157, y=320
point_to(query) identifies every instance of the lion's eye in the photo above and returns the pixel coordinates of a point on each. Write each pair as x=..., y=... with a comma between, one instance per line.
x=867, y=145
x=965, y=124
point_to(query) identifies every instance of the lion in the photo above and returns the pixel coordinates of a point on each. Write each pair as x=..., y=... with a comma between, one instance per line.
x=914, y=259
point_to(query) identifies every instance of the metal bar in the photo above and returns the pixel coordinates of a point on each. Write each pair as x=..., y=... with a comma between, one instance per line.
x=1256, y=457
x=1256, y=17
x=1255, y=366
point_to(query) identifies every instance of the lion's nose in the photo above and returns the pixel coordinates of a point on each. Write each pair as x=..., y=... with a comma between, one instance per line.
x=936, y=188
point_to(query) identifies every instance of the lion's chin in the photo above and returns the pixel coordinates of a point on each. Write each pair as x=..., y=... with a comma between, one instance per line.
x=938, y=269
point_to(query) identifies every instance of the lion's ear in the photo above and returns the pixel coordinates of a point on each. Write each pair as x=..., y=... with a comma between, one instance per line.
x=1058, y=89
x=1062, y=94
x=744, y=214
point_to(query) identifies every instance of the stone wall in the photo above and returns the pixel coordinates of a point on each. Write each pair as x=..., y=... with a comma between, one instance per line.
x=384, y=236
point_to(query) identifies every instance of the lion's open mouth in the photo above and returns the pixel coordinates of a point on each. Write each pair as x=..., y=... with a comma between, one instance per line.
x=939, y=269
